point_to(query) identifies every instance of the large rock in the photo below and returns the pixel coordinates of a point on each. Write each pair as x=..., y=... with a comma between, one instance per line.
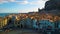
x=52, y=5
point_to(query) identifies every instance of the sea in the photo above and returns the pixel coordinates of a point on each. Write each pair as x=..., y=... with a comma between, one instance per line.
x=6, y=14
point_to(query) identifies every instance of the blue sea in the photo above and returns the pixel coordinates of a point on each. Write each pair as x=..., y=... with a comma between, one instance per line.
x=5, y=14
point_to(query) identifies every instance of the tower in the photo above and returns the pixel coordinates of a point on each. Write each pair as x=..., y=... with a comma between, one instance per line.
x=39, y=10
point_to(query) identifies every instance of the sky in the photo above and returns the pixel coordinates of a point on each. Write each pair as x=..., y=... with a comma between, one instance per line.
x=21, y=6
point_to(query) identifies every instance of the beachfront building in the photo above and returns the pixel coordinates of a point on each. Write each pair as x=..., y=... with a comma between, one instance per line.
x=46, y=26
x=28, y=22
x=1, y=22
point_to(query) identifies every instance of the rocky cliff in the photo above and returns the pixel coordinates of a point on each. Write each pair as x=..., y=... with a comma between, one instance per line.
x=53, y=6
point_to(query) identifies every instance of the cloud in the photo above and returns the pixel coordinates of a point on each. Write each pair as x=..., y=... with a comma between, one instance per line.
x=7, y=0
x=39, y=3
x=0, y=0
x=34, y=9
x=11, y=0
x=3, y=1
x=22, y=2
x=45, y=0
x=16, y=1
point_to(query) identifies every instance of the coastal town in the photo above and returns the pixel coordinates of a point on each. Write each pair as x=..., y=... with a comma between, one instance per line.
x=32, y=20
x=45, y=21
